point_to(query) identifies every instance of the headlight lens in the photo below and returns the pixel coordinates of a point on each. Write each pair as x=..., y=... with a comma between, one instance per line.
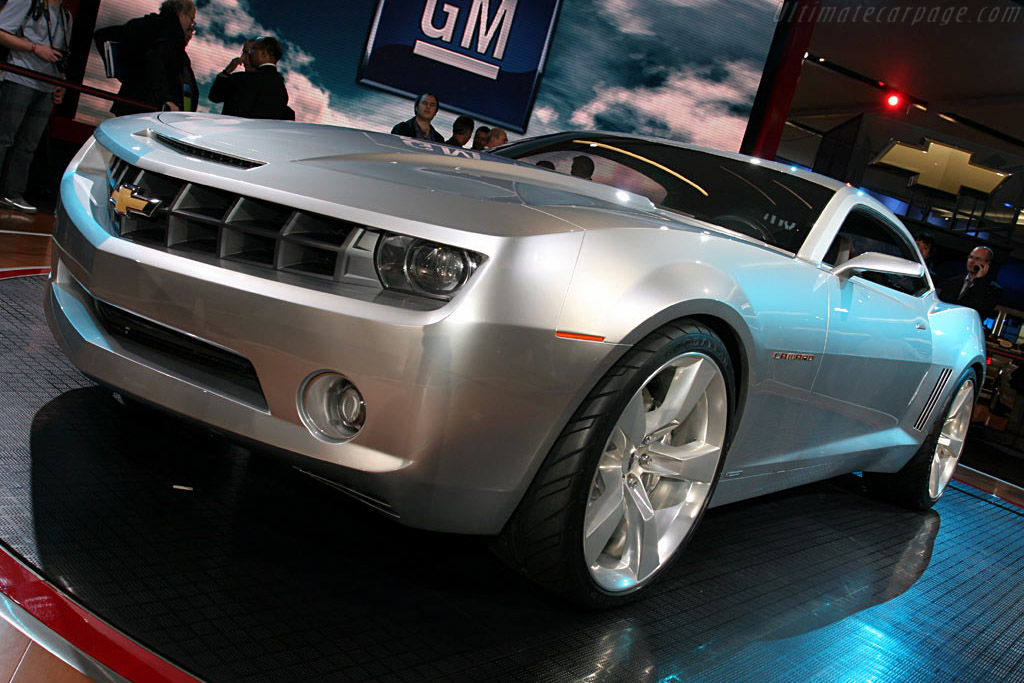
x=413, y=265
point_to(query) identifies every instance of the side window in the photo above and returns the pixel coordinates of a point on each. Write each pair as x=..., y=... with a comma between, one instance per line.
x=864, y=231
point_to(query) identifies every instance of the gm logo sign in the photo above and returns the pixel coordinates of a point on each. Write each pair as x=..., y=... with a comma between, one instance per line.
x=480, y=57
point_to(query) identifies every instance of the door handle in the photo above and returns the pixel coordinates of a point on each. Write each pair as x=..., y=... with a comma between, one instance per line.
x=922, y=326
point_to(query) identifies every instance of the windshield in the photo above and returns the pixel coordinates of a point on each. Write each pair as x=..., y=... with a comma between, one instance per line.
x=773, y=206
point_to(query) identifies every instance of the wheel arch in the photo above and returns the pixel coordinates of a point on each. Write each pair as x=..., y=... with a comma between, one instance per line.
x=979, y=369
x=724, y=321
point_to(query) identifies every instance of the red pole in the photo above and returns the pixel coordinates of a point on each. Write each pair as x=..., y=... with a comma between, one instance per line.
x=794, y=25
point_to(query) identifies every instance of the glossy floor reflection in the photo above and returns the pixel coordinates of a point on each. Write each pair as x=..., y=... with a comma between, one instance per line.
x=24, y=243
x=237, y=568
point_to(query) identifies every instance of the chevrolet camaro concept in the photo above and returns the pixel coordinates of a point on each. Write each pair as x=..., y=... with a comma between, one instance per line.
x=483, y=343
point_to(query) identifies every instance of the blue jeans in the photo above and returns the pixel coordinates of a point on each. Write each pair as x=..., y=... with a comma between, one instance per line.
x=24, y=113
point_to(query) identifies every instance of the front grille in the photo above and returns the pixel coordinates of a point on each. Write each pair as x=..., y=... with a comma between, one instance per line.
x=207, y=223
x=220, y=369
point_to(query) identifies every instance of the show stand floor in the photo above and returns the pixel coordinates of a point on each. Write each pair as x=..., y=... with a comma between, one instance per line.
x=234, y=567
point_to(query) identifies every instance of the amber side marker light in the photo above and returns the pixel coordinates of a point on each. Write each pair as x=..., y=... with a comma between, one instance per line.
x=583, y=337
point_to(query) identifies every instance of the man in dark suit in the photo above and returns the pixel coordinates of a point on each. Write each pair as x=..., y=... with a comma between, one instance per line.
x=978, y=290
x=156, y=71
x=258, y=93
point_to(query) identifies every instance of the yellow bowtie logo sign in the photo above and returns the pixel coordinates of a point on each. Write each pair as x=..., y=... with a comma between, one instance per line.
x=941, y=167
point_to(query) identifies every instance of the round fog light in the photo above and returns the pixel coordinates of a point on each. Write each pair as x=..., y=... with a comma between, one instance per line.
x=331, y=407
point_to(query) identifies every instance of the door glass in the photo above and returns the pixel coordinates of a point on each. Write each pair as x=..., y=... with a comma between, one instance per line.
x=863, y=231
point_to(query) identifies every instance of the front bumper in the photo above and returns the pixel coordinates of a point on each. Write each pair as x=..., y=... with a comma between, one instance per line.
x=462, y=402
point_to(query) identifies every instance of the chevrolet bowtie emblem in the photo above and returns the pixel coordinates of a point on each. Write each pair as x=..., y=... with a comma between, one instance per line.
x=127, y=200
x=942, y=167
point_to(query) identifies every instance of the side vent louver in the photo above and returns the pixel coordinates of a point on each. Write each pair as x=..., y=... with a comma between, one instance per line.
x=922, y=419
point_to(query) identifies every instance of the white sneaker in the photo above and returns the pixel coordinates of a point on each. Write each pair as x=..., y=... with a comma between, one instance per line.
x=18, y=204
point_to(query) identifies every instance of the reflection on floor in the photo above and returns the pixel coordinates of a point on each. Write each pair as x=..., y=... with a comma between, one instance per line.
x=25, y=250
x=24, y=243
x=22, y=661
x=238, y=568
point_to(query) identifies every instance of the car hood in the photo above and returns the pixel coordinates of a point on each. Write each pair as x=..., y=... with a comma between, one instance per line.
x=318, y=166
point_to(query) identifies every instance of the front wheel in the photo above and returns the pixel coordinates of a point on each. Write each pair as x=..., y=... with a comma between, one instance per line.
x=921, y=482
x=629, y=478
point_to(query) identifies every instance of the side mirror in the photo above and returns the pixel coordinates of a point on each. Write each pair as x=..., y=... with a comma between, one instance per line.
x=878, y=263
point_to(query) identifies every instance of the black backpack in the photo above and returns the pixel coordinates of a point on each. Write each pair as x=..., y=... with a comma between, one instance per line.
x=124, y=47
x=108, y=44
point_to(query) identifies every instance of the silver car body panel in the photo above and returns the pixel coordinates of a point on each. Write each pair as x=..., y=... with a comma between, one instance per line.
x=464, y=398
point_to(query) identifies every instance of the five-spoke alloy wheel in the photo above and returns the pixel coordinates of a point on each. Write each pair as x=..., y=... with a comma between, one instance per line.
x=921, y=482
x=627, y=482
x=950, y=442
x=656, y=471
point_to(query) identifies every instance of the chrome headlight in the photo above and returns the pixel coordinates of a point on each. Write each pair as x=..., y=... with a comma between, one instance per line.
x=419, y=266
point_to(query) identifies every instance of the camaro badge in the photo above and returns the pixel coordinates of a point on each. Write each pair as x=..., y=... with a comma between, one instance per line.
x=127, y=200
x=782, y=355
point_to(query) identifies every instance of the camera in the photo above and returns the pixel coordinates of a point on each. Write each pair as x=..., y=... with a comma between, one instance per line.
x=62, y=64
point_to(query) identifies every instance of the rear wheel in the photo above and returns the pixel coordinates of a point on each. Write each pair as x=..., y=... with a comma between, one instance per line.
x=630, y=477
x=921, y=482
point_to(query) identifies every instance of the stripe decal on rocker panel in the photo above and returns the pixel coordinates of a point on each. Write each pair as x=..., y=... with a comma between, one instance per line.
x=933, y=399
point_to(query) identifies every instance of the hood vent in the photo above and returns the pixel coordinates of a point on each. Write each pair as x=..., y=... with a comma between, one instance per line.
x=206, y=154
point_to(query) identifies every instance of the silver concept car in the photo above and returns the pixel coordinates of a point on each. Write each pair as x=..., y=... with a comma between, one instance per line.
x=485, y=344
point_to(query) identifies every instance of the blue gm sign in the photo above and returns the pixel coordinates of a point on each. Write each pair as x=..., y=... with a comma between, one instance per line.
x=480, y=57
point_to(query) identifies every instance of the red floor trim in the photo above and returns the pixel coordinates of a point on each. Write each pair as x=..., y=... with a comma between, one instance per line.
x=976, y=487
x=22, y=272
x=1006, y=491
x=80, y=628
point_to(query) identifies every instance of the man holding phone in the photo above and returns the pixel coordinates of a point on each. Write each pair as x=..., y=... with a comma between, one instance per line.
x=977, y=290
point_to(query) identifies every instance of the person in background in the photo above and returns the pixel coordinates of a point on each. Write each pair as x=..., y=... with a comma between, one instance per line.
x=156, y=70
x=419, y=126
x=462, y=130
x=243, y=59
x=36, y=34
x=582, y=167
x=259, y=93
x=978, y=289
x=480, y=137
x=926, y=245
x=544, y=163
x=496, y=137
x=189, y=86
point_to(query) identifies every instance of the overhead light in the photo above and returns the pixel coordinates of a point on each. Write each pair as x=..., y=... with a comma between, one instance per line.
x=946, y=117
x=920, y=106
x=893, y=100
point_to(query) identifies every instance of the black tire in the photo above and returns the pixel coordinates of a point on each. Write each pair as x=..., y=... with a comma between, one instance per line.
x=922, y=481
x=544, y=539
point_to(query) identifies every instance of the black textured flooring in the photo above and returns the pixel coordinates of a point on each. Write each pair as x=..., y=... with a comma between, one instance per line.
x=248, y=571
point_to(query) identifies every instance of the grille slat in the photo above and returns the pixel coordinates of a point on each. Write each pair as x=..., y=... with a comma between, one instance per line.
x=202, y=222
